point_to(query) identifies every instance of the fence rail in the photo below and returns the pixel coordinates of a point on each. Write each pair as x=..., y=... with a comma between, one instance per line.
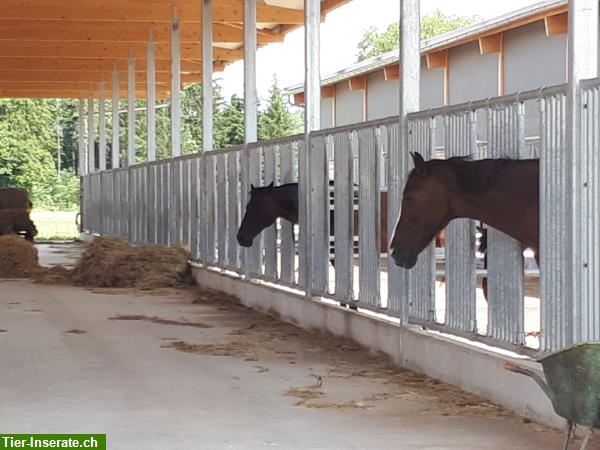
x=346, y=217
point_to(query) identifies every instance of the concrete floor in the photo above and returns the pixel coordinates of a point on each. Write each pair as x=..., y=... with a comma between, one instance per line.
x=192, y=370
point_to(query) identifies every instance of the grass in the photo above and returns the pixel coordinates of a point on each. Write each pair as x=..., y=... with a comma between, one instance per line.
x=55, y=225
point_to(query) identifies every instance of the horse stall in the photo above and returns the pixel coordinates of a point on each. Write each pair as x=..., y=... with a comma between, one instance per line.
x=434, y=317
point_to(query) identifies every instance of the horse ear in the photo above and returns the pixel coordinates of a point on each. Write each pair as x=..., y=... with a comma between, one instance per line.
x=271, y=185
x=252, y=187
x=419, y=163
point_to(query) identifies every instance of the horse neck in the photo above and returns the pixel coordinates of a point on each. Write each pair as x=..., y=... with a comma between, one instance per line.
x=286, y=201
x=509, y=205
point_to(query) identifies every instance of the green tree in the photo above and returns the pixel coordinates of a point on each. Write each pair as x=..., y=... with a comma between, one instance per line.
x=277, y=121
x=375, y=43
x=229, y=123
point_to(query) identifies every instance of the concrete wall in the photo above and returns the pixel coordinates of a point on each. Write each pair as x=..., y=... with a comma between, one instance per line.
x=471, y=368
x=472, y=76
x=349, y=105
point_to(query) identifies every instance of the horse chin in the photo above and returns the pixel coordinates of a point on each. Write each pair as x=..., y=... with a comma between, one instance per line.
x=244, y=242
x=405, y=260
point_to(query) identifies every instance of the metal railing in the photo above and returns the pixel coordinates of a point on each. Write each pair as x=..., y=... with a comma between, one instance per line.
x=200, y=199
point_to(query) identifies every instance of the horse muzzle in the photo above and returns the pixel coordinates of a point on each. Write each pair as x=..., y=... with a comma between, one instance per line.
x=244, y=241
x=404, y=259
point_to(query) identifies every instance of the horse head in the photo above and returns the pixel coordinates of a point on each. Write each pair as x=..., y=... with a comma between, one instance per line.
x=425, y=210
x=261, y=212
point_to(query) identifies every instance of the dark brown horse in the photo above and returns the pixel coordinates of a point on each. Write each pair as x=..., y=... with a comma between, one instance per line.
x=502, y=193
x=269, y=203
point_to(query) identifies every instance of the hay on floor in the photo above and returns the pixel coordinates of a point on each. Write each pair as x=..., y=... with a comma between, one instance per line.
x=18, y=257
x=113, y=262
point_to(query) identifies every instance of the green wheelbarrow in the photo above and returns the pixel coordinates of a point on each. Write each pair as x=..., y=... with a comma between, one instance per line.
x=573, y=386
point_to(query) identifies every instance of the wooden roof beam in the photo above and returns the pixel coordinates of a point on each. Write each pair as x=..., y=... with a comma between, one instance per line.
x=88, y=65
x=92, y=77
x=357, y=83
x=107, y=50
x=123, y=32
x=490, y=44
x=120, y=11
x=391, y=72
x=437, y=59
x=557, y=24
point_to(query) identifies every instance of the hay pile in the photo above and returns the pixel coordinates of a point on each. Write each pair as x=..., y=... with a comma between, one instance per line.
x=18, y=258
x=112, y=262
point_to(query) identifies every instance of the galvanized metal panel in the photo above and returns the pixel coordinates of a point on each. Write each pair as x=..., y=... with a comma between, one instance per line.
x=221, y=209
x=506, y=136
x=421, y=278
x=319, y=216
x=233, y=209
x=254, y=253
x=210, y=208
x=185, y=200
x=194, y=202
x=304, y=268
x=460, y=235
x=398, y=169
x=343, y=217
x=368, y=218
x=287, y=247
x=553, y=197
x=270, y=234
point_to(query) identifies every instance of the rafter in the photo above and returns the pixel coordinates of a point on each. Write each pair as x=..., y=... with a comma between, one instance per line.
x=125, y=32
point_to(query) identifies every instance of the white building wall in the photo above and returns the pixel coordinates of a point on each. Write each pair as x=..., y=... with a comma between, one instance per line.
x=349, y=105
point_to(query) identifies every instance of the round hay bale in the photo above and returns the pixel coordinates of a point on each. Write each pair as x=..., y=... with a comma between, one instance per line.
x=18, y=258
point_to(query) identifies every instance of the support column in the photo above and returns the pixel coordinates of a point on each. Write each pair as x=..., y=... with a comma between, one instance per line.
x=398, y=159
x=250, y=95
x=175, y=87
x=130, y=109
x=82, y=148
x=207, y=92
x=102, y=126
x=312, y=67
x=116, y=145
x=151, y=98
x=91, y=137
x=583, y=270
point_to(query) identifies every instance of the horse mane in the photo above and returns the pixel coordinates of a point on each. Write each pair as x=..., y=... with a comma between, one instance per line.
x=474, y=176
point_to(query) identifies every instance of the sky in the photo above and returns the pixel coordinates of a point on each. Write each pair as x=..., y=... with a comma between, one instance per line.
x=340, y=33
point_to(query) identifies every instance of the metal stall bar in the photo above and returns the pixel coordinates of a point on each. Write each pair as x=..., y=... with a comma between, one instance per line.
x=319, y=215
x=506, y=139
x=270, y=234
x=186, y=164
x=254, y=253
x=421, y=287
x=210, y=208
x=151, y=195
x=194, y=203
x=233, y=209
x=221, y=209
x=461, y=137
x=288, y=247
x=581, y=210
x=553, y=198
x=368, y=218
x=590, y=306
x=343, y=217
